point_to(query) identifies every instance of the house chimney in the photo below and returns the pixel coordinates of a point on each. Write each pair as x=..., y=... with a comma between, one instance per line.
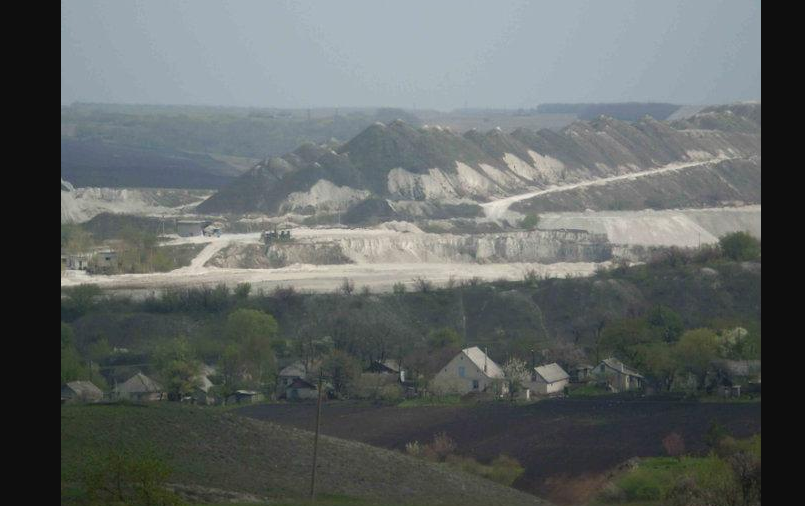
x=485, y=350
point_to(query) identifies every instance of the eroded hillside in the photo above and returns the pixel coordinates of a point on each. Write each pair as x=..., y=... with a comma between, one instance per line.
x=399, y=166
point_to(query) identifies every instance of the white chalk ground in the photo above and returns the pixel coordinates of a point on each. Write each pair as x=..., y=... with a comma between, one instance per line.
x=673, y=227
x=81, y=204
x=498, y=209
x=685, y=227
x=324, y=278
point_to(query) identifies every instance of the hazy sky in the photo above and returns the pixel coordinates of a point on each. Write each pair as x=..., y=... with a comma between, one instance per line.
x=429, y=54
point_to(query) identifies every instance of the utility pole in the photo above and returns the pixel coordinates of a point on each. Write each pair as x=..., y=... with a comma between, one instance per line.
x=315, y=444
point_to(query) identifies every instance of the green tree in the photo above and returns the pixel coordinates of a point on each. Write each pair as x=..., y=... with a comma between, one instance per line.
x=530, y=222
x=178, y=368
x=127, y=476
x=251, y=332
x=74, y=239
x=342, y=369
x=72, y=365
x=80, y=299
x=658, y=362
x=666, y=322
x=740, y=246
x=695, y=351
x=622, y=337
x=67, y=335
x=242, y=290
x=444, y=338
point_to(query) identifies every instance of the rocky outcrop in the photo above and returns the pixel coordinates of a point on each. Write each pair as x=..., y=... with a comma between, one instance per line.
x=543, y=246
x=81, y=204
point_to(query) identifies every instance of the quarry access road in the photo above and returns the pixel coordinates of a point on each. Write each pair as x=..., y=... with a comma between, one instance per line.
x=379, y=277
x=497, y=209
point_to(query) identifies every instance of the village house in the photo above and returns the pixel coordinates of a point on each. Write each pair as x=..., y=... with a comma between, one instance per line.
x=581, y=373
x=81, y=391
x=618, y=377
x=140, y=388
x=104, y=261
x=294, y=371
x=76, y=262
x=300, y=389
x=201, y=393
x=244, y=397
x=727, y=377
x=387, y=367
x=548, y=379
x=469, y=371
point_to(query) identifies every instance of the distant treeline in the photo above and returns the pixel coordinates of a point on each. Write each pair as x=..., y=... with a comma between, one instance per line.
x=626, y=111
x=252, y=133
x=108, y=164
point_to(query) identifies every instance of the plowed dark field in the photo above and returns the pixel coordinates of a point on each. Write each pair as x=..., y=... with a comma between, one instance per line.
x=563, y=443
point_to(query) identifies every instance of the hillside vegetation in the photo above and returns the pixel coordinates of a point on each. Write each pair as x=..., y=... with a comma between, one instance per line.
x=215, y=449
x=510, y=318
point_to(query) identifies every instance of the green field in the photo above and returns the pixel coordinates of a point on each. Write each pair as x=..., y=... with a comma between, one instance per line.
x=220, y=450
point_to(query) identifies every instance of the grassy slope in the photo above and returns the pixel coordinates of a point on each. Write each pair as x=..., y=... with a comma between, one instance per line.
x=221, y=450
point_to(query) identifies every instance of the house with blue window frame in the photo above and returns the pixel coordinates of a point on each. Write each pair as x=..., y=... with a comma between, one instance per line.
x=469, y=371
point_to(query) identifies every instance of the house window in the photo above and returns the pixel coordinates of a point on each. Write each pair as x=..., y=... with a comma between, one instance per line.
x=461, y=372
x=475, y=384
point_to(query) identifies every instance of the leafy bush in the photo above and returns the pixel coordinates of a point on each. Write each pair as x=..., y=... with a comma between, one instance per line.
x=127, y=476
x=530, y=222
x=642, y=485
x=505, y=470
x=740, y=246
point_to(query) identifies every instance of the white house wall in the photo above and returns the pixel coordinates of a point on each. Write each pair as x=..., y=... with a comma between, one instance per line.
x=448, y=380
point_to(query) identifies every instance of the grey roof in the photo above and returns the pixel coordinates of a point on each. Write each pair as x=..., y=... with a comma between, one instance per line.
x=619, y=366
x=392, y=364
x=478, y=357
x=738, y=367
x=295, y=370
x=84, y=388
x=138, y=384
x=551, y=373
x=301, y=383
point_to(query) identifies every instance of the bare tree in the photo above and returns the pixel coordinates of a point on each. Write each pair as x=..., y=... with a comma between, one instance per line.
x=517, y=375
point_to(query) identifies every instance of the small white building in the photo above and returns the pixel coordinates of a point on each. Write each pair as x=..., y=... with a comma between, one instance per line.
x=81, y=391
x=469, y=371
x=548, y=379
x=201, y=393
